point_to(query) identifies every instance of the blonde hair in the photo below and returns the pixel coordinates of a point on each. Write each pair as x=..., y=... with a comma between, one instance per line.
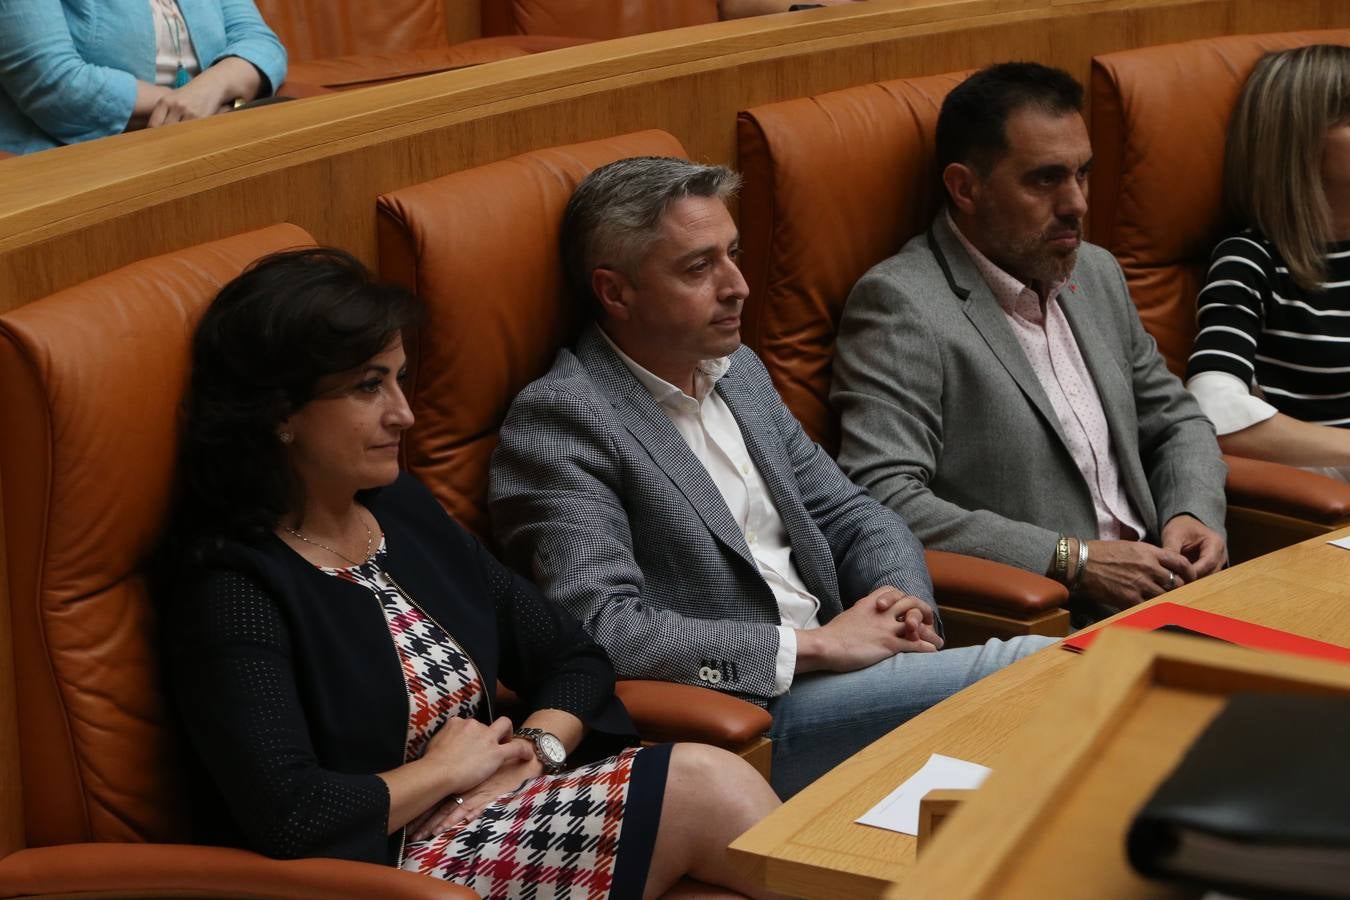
x=1272, y=167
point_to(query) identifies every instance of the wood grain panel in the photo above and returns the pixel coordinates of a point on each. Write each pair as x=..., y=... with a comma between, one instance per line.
x=812, y=846
x=75, y=212
x=1052, y=818
x=1256, y=16
x=1139, y=27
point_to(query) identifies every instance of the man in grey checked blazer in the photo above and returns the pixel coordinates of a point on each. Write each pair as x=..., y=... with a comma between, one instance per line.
x=654, y=484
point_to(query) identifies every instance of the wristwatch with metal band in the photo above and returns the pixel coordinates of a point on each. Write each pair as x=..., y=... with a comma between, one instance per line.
x=547, y=748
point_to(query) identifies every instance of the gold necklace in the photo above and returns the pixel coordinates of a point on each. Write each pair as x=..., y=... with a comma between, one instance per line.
x=369, y=540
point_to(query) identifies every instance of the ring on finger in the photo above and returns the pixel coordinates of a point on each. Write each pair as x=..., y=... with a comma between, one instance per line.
x=1171, y=580
x=458, y=799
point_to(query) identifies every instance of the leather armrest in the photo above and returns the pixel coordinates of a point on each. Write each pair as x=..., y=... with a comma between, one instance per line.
x=174, y=869
x=973, y=583
x=663, y=711
x=1284, y=489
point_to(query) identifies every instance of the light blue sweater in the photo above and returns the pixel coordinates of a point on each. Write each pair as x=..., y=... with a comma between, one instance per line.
x=68, y=68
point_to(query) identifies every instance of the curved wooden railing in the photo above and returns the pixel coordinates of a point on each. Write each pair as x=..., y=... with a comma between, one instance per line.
x=75, y=212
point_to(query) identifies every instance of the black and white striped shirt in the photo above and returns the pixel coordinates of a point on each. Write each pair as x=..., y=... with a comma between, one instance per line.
x=1255, y=323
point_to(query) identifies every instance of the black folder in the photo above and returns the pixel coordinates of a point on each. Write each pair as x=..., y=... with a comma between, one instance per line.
x=1259, y=805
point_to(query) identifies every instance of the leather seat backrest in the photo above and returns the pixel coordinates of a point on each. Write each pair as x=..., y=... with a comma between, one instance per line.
x=834, y=184
x=595, y=19
x=1159, y=118
x=480, y=247
x=320, y=29
x=91, y=381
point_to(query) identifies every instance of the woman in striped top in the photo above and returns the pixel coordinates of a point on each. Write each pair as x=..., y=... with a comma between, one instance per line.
x=1271, y=364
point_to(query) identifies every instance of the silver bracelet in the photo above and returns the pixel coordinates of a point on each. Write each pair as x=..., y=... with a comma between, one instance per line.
x=1082, y=563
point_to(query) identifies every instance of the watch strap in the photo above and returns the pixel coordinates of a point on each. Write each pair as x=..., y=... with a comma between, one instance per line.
x=534, y=736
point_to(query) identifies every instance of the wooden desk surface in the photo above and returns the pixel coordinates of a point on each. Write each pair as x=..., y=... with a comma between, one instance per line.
x=812, y=847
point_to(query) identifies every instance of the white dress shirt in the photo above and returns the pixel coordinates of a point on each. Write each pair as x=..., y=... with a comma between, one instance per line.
x=714, y=436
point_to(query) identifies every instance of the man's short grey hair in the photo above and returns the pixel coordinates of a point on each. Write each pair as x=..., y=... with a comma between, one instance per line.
x=615, y=213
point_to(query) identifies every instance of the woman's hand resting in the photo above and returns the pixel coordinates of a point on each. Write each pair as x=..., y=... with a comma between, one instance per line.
x=197, y=99
x=472, y=751
x=461, y=755
x=448, y=813
x=213, y=91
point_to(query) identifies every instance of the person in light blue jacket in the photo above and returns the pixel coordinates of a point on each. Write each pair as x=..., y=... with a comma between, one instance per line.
x=74, y=70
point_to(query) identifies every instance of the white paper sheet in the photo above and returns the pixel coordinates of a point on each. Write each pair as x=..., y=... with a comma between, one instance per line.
x=899, y=811
x=1343, y=543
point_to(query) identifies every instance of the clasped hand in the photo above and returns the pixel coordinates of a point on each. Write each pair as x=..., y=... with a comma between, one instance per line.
x=885, y=622
x=1124, y=573
x=211, y=92
x=199, y=98
x=487, y=763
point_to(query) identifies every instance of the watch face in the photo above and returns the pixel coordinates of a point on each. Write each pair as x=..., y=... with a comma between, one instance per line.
x=552, y=749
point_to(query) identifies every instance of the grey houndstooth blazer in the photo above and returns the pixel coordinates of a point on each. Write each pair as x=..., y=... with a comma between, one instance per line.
x=594, y=492
x=944, y=419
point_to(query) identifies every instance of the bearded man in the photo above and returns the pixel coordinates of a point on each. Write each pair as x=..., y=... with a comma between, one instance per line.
x=995, y=386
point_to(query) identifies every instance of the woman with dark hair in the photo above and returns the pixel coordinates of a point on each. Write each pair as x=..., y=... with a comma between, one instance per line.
x=1269, y=365
x=335, y=639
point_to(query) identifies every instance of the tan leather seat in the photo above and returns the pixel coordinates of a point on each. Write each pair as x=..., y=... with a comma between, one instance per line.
x=315, y=29
x=593, y=19
x=90, y=386
x=833, y=185
x=1157, y=205
x=480, y=247
x=343, y=44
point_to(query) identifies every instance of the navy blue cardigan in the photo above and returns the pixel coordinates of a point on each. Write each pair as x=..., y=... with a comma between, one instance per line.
x=290, y=689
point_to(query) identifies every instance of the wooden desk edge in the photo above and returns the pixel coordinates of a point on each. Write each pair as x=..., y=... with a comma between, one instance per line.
x=765, y=845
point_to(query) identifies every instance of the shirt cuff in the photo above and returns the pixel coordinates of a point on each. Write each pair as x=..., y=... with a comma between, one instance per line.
x=786, y=664
x=1227, y=401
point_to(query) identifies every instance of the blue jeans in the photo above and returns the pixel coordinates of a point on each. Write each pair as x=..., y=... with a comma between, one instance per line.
x=826, y=717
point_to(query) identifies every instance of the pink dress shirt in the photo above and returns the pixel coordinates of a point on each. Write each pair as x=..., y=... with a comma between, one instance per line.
x=1048, y=342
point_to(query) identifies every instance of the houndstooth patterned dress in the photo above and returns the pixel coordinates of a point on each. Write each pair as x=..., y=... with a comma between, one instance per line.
x=585, y=833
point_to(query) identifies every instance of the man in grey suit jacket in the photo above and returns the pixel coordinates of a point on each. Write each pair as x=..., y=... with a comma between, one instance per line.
x=654, y=483
x=995, y=385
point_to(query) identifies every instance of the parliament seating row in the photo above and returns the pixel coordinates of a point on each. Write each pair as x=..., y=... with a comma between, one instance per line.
x=811, y=226
x=480, y=248
x=90, y=381
x=345, y=44
x=98, y=758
